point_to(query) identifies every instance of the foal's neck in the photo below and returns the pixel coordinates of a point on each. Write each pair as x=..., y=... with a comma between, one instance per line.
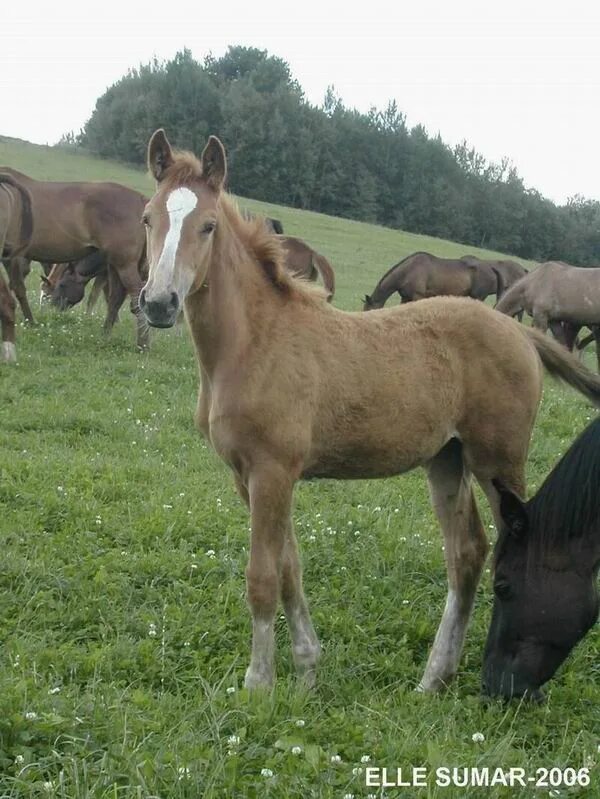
x=232, y=312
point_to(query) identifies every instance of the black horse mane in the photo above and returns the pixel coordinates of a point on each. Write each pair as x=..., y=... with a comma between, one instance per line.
x=567, y=506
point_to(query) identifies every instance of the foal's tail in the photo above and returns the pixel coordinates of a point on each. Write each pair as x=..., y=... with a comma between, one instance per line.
x=325, y=269
x=26, y=229
x=561, y=364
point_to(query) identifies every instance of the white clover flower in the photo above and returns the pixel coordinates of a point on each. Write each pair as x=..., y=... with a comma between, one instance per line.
x=233, y=740
x=210, y=553
x=478, y=737
x=348, y=796
x=152, y=630
x=336, y=759
x=266, y=772
x=19, y=759
x=365, y=759
x=231, y=689
x=31, y=715
x=300, y=723
x=357, y=771
x=296, y=750
x=48, y=786
x=55, y=690
x=183, y=773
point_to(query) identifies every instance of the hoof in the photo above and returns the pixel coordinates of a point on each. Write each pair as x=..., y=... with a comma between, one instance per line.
x=258, y=681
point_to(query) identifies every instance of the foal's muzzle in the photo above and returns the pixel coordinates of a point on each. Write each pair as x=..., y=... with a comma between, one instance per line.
x=161, y=310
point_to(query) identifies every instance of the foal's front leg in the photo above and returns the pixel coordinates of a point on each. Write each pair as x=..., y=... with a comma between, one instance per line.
x=305, y=644
x=270, y=492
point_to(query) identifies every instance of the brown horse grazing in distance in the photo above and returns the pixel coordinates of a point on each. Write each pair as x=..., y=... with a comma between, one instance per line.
x=302, y=261
x=73, y=219
x=365, y=395
x=558, y=296
x=422, y=275
x=16, y=229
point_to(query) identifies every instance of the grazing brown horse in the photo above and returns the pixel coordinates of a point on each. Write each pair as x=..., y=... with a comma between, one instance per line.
x=66, y=283
x=422, y=275
x=16, y=229
x=73, y=219
x=558, y=296
x=365, y=395
x=302, y=261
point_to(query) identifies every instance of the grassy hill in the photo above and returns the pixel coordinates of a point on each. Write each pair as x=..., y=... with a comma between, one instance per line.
x=359, y=252
x=125, y=634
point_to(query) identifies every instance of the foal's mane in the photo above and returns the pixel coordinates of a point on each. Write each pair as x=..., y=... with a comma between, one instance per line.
x=267, y=249
x=567, y=506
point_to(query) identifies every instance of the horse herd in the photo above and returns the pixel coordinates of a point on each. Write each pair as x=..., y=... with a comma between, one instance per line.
x=445, y=383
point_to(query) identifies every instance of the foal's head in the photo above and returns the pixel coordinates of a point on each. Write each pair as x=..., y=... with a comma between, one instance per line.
x=180, y=220
x=546, y=565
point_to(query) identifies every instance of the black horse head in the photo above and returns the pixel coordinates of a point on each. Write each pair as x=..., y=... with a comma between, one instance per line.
x=546, y=565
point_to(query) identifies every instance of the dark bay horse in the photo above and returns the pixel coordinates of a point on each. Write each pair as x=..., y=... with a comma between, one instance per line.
x=302, y=261
x=65, y=285
x=545, y=570
x=276, y=362
x=558, y=296
x=16, y=230
x=422, y=275
x=73, y=219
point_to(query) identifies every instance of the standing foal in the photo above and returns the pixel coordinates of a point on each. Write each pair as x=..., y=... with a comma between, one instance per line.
x=446, y=383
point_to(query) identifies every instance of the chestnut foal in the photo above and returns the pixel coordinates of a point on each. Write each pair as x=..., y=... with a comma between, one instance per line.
x=294, y=388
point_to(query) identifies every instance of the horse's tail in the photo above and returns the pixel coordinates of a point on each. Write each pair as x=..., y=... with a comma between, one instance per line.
x=561, y=364
x=26, y=230
x=500, y=283
x=327, y=274
x=512, y=300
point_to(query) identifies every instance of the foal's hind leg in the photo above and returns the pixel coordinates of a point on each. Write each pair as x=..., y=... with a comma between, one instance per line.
x=465, y=550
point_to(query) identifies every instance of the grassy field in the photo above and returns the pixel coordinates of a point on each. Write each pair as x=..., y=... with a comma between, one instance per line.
x=124, y=629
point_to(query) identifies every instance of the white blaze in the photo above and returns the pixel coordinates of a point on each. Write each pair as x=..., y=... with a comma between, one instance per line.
x=180, y=203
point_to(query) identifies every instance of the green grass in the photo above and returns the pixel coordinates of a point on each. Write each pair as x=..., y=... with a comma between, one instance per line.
x=124, y=625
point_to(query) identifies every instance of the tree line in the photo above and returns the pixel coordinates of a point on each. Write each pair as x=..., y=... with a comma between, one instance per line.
x=333, y=159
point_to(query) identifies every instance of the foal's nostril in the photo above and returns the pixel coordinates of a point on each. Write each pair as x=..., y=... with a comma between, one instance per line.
x=174, y=300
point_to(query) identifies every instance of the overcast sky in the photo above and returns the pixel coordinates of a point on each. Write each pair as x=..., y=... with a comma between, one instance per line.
x=517, y=79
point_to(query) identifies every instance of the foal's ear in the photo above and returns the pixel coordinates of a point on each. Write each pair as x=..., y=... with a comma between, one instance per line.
x=512, y=510
x=214, y=163
x=160, y=154
x=367, y=299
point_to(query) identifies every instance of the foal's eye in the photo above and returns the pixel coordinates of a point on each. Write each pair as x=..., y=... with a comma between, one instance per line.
x=502, y=590
x=146, y=220
x=208, y=227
